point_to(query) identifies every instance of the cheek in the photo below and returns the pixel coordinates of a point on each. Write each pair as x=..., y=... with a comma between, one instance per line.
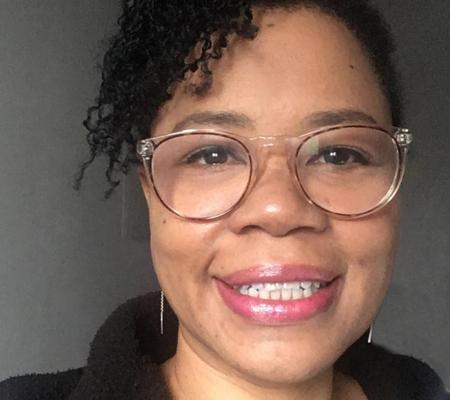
x=367, y=247
x=371, y=240
x=181, y=250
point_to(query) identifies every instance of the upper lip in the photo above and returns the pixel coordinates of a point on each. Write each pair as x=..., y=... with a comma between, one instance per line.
x=279, y=273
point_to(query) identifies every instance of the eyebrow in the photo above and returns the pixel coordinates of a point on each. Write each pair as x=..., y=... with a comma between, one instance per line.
x=238, y=120
x=335, y=117
x=222, y=118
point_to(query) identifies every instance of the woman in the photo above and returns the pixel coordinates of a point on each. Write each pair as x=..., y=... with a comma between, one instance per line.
x=270, y=165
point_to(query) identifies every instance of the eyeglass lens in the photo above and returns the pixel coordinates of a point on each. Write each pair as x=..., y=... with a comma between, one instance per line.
x=344, y=171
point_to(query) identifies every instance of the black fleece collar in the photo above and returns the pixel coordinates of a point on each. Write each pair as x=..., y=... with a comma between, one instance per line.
x=126, y=352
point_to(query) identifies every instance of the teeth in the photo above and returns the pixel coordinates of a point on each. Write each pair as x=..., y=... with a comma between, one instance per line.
x=284, y=291
x=275, y=294
x=291, y=285
x=286, y=294
x=243, y=290
x=270, y=286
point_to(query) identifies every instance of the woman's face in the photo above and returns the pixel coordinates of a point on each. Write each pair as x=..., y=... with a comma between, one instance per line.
x=300, y=64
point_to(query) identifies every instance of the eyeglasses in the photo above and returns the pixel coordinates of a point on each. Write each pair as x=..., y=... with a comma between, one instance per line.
x=349, y=171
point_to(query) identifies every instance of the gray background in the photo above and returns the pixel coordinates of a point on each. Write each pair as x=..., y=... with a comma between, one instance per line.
x=68, y=259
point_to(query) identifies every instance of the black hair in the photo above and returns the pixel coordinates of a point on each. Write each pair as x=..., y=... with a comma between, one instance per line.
x=148, y=57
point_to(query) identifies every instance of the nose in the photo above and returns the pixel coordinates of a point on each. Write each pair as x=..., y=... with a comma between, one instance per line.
x=276, y=205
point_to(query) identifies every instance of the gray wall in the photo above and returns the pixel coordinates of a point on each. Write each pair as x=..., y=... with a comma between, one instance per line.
x=415, y=318
x=68, y=259
x=64, y=264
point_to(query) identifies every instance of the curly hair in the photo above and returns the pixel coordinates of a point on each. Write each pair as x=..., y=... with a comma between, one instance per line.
x=150, y=54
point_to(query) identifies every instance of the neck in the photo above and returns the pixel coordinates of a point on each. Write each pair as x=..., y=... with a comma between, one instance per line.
x=191, y=376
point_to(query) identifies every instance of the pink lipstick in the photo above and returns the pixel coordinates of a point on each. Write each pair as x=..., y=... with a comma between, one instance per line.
x=277, y=295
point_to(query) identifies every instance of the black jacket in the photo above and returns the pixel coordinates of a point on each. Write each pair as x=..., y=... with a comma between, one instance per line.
x=125, y=353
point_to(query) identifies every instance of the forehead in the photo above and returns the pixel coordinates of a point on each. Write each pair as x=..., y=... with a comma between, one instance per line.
x=301, y=63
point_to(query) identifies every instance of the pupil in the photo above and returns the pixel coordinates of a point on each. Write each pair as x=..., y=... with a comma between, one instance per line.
x=336, y=157
x=215, y=156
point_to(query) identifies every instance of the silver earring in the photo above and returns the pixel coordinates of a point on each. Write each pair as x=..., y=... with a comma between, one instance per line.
x=161, y=314
x=369, y=338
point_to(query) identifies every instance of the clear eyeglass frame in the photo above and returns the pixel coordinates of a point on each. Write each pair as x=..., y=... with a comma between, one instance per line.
x=254, y=146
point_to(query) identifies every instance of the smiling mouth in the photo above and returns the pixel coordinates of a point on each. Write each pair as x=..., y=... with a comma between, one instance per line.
x=268, y=303
x=284, y=291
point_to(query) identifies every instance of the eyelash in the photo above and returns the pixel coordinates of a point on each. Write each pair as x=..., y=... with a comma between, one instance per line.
x=351, y=156
x=357, y=155
x=196, y=155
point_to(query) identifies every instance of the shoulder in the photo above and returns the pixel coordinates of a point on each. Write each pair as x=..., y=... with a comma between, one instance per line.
x=405, y=374
x=54, y=386
x=385, y=374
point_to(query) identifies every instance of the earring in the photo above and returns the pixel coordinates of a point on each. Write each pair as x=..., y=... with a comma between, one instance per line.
x=369, y=338
x=161, y=314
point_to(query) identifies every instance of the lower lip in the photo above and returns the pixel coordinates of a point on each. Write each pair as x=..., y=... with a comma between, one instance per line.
x=278, y=312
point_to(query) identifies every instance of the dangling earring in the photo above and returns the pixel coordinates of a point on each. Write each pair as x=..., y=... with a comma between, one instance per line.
x=369, y=338
x=161, y=314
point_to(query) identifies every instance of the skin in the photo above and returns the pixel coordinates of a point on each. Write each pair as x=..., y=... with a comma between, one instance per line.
x=301, y=62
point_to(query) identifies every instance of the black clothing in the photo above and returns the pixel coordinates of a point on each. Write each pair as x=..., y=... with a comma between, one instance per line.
x=127, y=349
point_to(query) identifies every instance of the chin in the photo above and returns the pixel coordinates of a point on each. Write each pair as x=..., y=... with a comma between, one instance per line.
x=277, y=372
x=280, y=364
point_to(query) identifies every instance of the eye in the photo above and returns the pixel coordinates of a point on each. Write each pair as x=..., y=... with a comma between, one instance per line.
x=211, y=155
x=340, y=156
